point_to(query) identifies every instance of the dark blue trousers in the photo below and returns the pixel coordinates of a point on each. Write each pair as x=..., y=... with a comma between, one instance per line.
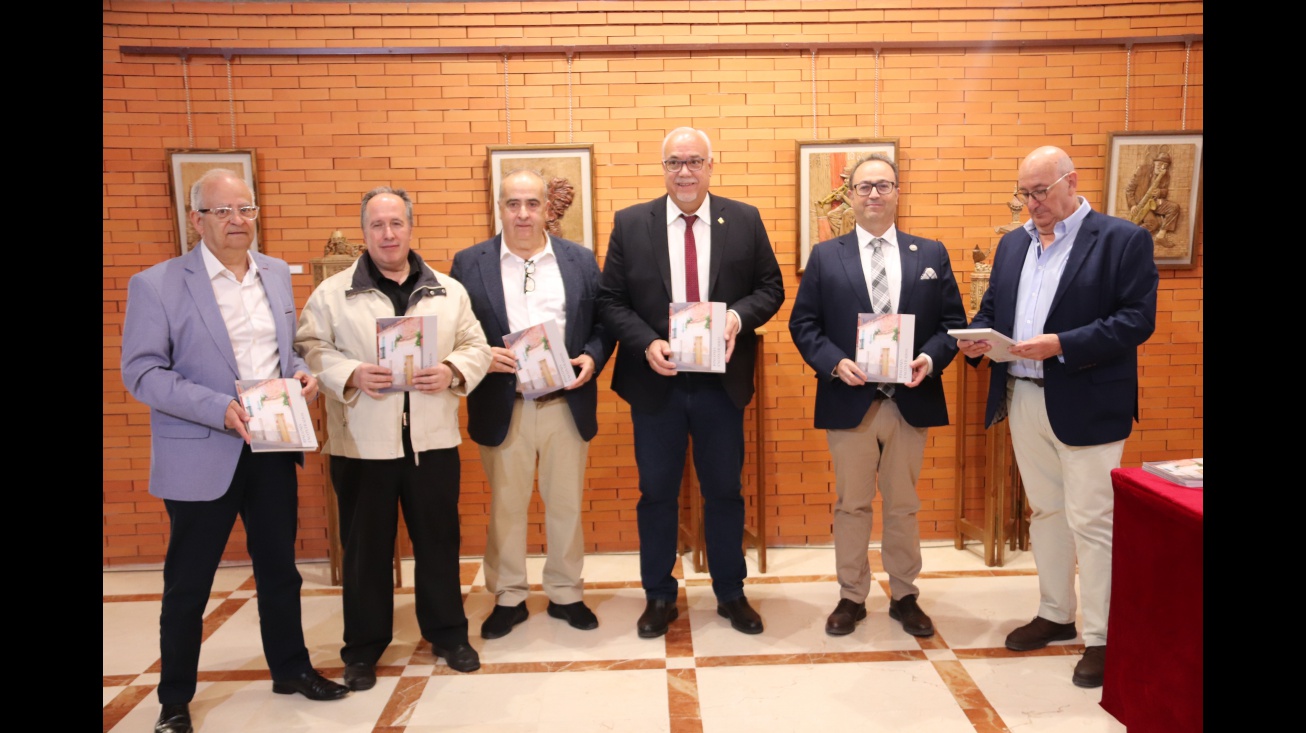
x=698, y=406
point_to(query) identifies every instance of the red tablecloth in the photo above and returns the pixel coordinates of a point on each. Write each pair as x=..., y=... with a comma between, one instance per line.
x=1153, y=680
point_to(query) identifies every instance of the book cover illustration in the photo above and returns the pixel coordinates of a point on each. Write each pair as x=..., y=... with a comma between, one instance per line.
x=542, y=362
x=884, y=346
x=405, y=344
x=1185, y=471
x=697, y=335
x=278, y=415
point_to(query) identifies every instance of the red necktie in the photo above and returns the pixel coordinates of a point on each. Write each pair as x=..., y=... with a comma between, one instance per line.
x=691, y=259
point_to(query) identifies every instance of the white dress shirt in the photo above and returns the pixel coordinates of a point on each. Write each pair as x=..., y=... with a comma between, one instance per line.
x=248, y=315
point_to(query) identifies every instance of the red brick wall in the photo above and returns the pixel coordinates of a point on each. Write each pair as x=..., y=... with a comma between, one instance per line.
x=327, y=128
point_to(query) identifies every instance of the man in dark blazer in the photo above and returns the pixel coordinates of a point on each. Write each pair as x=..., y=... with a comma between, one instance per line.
x=1077, y=291
x=658, y=255
x=518, y=279
x=194, y=325
x=876, y=431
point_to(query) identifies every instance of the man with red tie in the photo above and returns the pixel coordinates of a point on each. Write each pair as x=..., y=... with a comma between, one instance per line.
x=688, y=247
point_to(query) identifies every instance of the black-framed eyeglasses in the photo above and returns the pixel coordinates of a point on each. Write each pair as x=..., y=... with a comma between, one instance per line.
x=884, y=187
x=1041, y=194
x=673, y=165
x=223, y=213
x=528, y=285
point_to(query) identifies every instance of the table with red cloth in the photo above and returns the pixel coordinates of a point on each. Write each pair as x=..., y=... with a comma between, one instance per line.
x=1153, y=679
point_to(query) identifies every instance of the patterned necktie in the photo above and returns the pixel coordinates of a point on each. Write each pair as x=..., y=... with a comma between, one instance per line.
x=691, y=259
x=880, y=302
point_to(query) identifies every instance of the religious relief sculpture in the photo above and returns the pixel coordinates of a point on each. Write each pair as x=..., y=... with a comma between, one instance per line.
x=840, y=219
x=1148, y=195
x=560, y=193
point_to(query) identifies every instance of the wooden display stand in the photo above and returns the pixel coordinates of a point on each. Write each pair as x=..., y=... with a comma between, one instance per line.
x=340, y=254
x=691, y=530
x=1002, y=524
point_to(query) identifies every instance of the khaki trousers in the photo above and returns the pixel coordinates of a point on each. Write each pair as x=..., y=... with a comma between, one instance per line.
x=883, y=450
x=545, y=433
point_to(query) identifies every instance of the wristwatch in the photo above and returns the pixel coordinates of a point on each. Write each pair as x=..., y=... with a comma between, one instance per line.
x=456, y=379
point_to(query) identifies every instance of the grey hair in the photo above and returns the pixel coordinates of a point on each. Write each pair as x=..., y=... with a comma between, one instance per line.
x=875, y=156
x=680, y=130
x=214, y=174
x=408, y=203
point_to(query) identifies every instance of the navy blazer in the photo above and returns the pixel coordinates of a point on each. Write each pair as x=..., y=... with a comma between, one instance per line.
x=177, y=358
x=824, y=327
x=489, y=406
x=1104, y=308
x=636, y=293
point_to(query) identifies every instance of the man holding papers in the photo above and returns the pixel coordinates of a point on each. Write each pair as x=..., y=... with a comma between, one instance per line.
x=877, y=432
x=1076, y=291
x=516, y=280
x=688, y=247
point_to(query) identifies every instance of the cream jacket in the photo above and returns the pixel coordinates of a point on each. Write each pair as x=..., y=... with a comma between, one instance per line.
x=337, y=332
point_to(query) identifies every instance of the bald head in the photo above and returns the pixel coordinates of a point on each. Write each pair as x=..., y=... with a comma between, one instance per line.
x=1050, y=171
x=1050, y=158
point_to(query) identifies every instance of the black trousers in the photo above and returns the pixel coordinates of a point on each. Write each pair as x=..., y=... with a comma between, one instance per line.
x=264, y=494
x=369, y=494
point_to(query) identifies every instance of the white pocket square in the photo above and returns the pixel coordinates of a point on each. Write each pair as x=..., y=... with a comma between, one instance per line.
x=929, y=274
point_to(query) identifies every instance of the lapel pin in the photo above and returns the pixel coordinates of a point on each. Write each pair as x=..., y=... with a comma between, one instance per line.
x=721, y=220
x=912, y=248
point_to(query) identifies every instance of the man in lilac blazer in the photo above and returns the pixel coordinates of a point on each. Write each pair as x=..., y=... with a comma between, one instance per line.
x=195, y=324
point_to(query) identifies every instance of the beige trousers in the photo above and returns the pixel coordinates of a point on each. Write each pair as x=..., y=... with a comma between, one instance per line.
x=545, y=433
x=883, y=450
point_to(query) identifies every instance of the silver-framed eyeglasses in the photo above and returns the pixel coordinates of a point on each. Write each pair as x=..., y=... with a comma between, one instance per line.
x=673, y=165
x=223, y=213
x=884, y=187
x=528, y=285
x=1041, y=194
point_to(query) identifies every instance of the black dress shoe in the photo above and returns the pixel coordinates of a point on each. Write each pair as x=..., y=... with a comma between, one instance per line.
x=360, y=676
x=461, y=657
x=742, y=616
x=1038, y=633
x=174, y=719
x=1089, y=671
x=577, y=614
x=312, y=685
x=913, y=619
x=657, y=616
x=844, y=618
x=502, y=619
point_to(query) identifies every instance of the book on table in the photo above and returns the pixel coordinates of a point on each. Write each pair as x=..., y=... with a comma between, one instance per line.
x=1185, y=471
x=697, y=335
x=542, y=362
x=278, y=415
x=884, y=346
x=405, y=345
x=1001, y=344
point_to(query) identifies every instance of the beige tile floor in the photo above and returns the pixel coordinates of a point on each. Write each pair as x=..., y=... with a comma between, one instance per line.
x=703, y=676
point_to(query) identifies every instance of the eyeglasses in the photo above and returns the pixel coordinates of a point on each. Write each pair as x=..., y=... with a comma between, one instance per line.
x=223, y=213
x=528, y=286
x=1040, y=195
x=884, y=187
x=673, y=165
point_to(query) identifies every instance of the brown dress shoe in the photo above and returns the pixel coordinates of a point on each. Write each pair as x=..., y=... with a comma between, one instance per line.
x=844, y=618
x=909, y=614
x=1038, y=633
x=1088, y=672
x=742, y=616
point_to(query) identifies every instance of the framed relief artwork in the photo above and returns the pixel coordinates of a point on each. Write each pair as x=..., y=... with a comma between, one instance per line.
x=1154, y=179
x=568, y=172
x=824, y=201
x=186, y=166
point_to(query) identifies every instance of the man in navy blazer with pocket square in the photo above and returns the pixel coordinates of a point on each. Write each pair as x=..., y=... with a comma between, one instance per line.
x=877, y=432
x=194, y=325
x=1076, y=290
x=657, y=251
x=518, y=279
